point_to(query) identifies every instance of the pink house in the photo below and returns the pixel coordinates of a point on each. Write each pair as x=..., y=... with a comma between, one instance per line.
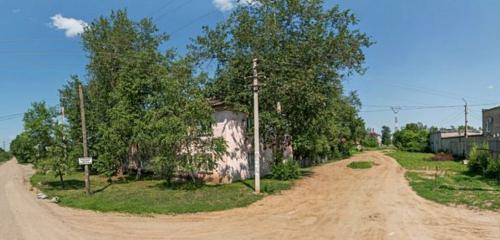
x=237, y=163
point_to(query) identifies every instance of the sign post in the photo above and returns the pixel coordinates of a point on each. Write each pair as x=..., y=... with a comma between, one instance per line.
x=85, y=161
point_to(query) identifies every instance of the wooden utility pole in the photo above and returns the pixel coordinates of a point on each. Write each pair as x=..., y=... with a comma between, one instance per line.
x=465, y=131
x=84, y=136
x=256, y=139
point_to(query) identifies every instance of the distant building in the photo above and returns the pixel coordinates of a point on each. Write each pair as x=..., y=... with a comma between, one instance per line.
x=375, y=135
x=453, y=142
x=491, y=128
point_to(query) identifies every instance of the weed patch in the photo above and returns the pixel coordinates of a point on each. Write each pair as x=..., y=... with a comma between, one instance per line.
x=360, y=165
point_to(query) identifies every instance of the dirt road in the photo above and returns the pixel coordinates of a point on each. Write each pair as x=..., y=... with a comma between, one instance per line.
x=336, y=202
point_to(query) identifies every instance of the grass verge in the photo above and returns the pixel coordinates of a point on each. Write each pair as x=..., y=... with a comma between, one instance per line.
x=360, y=165
x=154, y=196
x=448, y=182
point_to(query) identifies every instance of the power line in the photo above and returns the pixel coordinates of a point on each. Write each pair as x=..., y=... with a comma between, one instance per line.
x=11, y=118
x=193, y=21
x=406, y=108
x=436, y=92
x=161, y=8
x=175, y=9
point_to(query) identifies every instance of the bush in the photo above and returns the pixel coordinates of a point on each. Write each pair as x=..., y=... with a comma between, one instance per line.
x=442, y=157
x=4, y=155
x=479, y=159
x=370, y=141
x=414, y=137
x=287, y=170
x=493, y=169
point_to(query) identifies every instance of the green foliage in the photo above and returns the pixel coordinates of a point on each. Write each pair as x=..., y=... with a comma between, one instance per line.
x=70, y=101
x=493, y=169
x=386, y=135
x=293, y=42
x=483, y=163
x=478, y=159
x=126, y=71
x=451, y=184
x=414, y=137
x=457, y=189
x=153, y=195
x=370, y=141
x=144, y=107
x=57, y=161
x=22, y=148
x=422, y=161
x=4, y=155
x=286, y=170
x=360, y=165
x=32, y=145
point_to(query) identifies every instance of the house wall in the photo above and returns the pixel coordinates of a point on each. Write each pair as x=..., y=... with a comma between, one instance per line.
x=491, y=129
x=439, y=142
x=491, y=122
x=435, y=142
x=455, y=145
x=237, y=163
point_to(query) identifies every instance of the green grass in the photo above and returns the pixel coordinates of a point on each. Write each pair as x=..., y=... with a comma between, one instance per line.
x=452, y=184
x=421, y=161
x=360, y=165
x=154, y=196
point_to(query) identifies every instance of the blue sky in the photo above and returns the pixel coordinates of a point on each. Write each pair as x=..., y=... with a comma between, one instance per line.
x=427, y=52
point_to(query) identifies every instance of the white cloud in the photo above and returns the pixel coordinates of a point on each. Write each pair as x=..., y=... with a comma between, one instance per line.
x=228, y=5
x=223, y=5
x=491, y=87
x=72, y=27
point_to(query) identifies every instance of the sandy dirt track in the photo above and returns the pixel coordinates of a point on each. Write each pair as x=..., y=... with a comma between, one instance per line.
x=336, y=202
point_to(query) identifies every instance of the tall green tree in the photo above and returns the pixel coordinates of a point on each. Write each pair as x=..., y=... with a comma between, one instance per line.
x=125, y=68
x=4, y=155
x=386, y=135
x=23, y=148
x=38, y=121
x=70, y=101
x=305, y=51
x=414, y=137
x=57, y=161
x=142, y=103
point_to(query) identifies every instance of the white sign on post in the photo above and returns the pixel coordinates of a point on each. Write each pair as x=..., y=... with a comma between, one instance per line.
x=85, y=161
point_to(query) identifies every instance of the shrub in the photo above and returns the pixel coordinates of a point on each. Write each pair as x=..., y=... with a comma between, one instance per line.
x=493, y=169
x=414, y=137
x=479, y=159
x=370, y=141
x=287, y=170
x=4, y=155
x=360, y=165
x=442, y=157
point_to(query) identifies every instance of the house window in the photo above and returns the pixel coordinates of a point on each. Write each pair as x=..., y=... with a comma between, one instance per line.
x=489, y=124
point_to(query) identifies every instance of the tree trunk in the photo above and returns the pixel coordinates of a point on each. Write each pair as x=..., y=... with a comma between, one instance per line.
x=62, y=180
x=139, y=170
